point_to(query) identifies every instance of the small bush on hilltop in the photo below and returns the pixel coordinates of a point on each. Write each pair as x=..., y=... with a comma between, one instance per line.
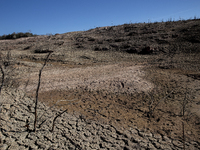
x=17, y=35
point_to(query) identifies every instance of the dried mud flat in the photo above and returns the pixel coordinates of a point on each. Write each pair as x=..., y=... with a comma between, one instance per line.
x=108, y=82
x=70, y=131
x=112, y=94
x=117, y=78
x=104, y=112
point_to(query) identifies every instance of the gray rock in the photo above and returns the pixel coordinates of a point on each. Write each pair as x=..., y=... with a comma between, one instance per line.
x=14, y=146
x=9, y=141
x=177, y=143
x=3, y=147
x=157, y=145
x=41, y=145
x=145, y=134
x=133, y=131
x=20, y=135
x=168, y=140
x=24, y=148
x=6, y=106
x=5, y=117
x=87, y=134
x=136, y=139
x=157, y=136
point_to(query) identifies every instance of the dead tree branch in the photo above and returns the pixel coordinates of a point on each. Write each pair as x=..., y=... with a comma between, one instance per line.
x=2, y=79
x=56, y=104
x=56, y=118
x=37, y=90
x=59, y=116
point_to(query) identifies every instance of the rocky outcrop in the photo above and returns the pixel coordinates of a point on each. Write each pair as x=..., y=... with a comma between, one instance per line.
x=71, y=131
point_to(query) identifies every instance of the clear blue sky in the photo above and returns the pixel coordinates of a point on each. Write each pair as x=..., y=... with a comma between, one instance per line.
x=61, y=16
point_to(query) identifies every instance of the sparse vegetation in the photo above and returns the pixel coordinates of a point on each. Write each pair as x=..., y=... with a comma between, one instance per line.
x=17, y=35
x=166, y=55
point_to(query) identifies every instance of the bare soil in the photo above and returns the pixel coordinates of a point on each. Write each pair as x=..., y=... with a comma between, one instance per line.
x=118, y=94
x=102, y=75
x=116, y=78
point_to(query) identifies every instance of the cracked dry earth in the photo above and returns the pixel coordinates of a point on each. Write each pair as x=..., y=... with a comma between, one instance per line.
x=101, y=115
x=71, y=131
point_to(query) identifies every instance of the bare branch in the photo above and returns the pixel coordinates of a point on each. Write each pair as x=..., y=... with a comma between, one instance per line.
x=56, y=105
x=161, y=100
x=56, y=118
x=59, y=116
x=37, y=90
x=2, y=80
